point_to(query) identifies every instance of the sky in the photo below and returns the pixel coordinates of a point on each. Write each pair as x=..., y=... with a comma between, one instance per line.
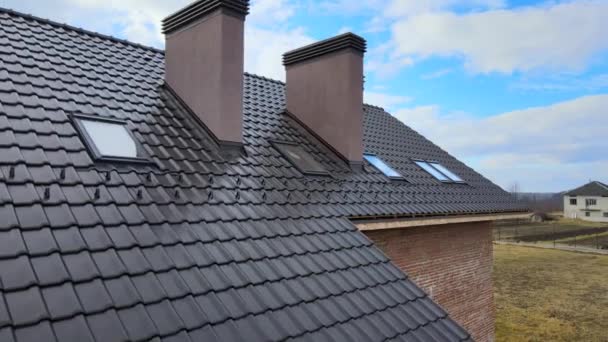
x=517, y=89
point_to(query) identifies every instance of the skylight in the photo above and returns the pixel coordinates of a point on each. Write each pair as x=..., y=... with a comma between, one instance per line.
x=446, y=172
x=301, y=159
x=439, y=171
x=382, y=166
x=109, y=139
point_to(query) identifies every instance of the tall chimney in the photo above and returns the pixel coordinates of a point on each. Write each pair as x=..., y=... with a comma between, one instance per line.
x=204, y=63
x=325, y=92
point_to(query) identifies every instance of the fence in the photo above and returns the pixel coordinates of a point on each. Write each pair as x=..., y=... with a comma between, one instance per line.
x=556, y=234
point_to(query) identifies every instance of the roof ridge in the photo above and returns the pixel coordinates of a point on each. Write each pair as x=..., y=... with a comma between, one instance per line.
x=78, y=29
x=602, y=185
x=374, y=106
x=246, y=73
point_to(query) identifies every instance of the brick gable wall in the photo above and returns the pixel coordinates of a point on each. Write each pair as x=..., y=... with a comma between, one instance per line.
x=453, y=263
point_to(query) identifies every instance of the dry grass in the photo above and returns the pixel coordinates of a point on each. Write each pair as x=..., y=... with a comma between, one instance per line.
x=550, y=295
x=575, y=222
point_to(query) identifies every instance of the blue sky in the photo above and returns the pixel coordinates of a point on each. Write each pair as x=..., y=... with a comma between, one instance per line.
x=518, y=89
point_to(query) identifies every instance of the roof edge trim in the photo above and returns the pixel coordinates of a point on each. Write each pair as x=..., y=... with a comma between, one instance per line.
x=324, y=47
x=201, y=8
x=382, y=224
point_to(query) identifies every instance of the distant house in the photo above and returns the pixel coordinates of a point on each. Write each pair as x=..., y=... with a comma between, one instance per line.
x=589, y=202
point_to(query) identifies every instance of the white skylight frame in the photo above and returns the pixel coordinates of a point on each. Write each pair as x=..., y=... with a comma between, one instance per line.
x=123, y=147
x=447, y=172
x=439, y=172
x=380, y=165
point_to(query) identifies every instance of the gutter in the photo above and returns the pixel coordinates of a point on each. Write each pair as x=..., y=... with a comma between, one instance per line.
x=370, y=225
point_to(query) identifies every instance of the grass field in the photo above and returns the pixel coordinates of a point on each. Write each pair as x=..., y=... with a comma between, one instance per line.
x=550, y=295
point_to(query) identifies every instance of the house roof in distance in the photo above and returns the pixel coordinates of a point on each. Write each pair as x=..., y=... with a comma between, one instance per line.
x=196, y=245
x=594, y=188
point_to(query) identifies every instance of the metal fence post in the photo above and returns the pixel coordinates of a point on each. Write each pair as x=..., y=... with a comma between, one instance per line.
x=597, y=243
x=554, y=236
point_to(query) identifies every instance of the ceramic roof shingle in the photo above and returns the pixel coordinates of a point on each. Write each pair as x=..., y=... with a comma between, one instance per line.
x=196, y=245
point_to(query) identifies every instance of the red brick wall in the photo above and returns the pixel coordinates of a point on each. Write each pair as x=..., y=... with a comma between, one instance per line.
x=453, y=264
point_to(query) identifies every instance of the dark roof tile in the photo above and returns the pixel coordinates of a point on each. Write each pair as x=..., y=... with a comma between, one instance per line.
x=206, y=333
x=106, y=326
x=80, y=266
x=96, y=238
x=123, y=292
x=137, y=323
x=9, y=218
x=5, y=319
x=11, y=243
x=165, y=318
x=215, y=310
x=6, y=334
x=149, y=288
x=93, y=296
x=33, y=333
x=17, y=273
x=61, y=301
x=26, y=307
x=31, y=217
x=69, y=240
x=39, y=241
x=190, y=313
x=173, y=284
x=50, y=269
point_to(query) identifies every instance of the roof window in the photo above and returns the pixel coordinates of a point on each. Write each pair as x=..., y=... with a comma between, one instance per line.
x=109, y=139
x=382, y=166
x=301, y=159
x=439, y=171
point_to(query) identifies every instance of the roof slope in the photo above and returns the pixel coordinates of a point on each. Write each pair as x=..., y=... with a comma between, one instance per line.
x=198, y=246
x=590, y=189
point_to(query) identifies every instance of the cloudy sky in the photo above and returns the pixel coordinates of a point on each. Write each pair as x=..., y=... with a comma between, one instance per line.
x=516, y=88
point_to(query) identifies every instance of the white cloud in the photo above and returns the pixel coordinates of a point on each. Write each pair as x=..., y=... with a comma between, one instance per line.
x=268, y=35
x=563, y=83
x=437, y=74
x=344, y=29
x=385, y=101
x=264, y=49
x=270, y=12
x=542, y=148
x=382, y=61
x=401, y=8
x=558, y=36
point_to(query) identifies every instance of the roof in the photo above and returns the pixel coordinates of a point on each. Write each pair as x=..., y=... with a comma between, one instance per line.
x=198, y=245
x=594, y=188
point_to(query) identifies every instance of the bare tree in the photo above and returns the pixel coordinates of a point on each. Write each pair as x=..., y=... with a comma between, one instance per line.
x=515, y=189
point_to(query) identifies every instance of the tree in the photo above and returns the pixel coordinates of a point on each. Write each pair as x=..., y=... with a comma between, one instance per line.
x=514, y=189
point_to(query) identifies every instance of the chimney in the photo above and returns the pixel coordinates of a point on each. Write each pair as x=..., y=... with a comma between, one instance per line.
x=204, y=63
x=325, y=92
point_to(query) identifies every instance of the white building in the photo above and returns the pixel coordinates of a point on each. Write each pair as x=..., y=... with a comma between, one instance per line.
x=589, y=202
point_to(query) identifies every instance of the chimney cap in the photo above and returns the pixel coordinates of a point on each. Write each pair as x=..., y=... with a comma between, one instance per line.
x=201, y=8
x=337, y=43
